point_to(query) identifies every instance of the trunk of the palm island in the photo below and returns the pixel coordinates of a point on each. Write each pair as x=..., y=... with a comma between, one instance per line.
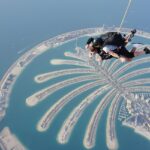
x=117, y=91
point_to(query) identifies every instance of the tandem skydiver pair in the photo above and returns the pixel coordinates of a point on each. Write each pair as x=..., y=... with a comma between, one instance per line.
x=113, y=45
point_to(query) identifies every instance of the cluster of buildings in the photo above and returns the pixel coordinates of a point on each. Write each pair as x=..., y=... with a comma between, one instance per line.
x=8, y=141
x=4, y=93
x=139, y=119
x=123, y=113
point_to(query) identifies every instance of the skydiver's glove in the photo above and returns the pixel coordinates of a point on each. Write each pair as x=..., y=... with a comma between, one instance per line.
x=133, y=31
x=131, y=35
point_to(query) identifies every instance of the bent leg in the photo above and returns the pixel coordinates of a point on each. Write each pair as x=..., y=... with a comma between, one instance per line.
x=138, y=53
x=123, y=52
x=125, y=59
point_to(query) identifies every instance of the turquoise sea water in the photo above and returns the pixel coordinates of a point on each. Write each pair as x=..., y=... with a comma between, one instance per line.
x=22, y=119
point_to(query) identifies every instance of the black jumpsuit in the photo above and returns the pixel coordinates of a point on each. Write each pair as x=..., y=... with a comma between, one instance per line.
x=112, y=38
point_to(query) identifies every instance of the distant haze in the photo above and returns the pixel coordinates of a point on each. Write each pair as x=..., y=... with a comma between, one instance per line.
x=25, y=23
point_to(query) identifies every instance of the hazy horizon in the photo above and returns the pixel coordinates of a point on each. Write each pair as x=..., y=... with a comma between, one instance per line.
x=27, y=23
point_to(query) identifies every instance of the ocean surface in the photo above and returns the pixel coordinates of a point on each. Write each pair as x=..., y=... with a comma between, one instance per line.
x=27, y=23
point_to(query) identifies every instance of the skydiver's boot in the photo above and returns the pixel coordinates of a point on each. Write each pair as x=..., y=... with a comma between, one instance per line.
x=146, y=50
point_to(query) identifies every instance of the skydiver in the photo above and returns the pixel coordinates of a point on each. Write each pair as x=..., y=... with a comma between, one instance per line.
x=113, y=45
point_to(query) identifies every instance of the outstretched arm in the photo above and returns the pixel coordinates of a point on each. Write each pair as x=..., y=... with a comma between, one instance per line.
x=91, y=51
x=91, y=54
x=98, y=58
